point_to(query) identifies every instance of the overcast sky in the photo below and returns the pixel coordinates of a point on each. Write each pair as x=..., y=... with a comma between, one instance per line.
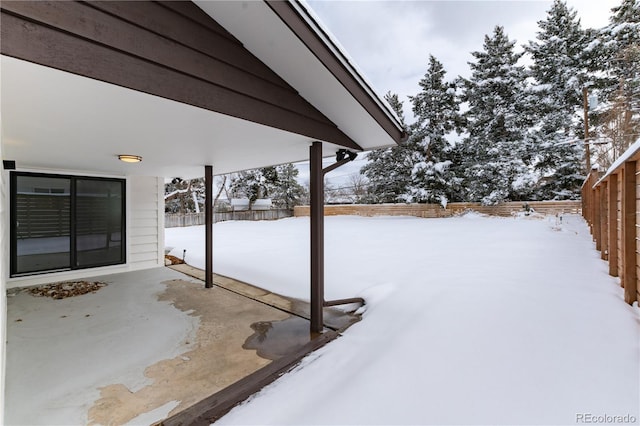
x=390, y=41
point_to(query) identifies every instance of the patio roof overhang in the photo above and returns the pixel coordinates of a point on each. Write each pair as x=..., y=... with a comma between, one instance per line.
x=192, y=87
x=74, y=113
x=54, y=120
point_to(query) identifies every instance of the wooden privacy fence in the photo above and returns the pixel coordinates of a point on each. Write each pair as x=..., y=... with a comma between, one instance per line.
x=193, y=219
x=436, y=210
x=610, y=207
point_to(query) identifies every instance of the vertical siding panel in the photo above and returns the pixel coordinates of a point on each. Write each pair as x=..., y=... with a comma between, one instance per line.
x=146, y=236
x=4, y=272
x=160, y=212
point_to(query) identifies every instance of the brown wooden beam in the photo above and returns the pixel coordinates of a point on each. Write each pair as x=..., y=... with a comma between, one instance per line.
x=208, y=220
x=612, y=188
x=629, y=277
x=316, y=183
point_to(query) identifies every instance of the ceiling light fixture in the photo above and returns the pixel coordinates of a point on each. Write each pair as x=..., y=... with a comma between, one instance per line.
x=129, y=158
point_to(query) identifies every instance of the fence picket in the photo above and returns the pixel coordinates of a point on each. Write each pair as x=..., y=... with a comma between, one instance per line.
x=195, y=219
x=436, y=210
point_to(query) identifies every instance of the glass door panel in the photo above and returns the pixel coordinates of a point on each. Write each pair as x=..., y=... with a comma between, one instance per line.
x=42, y=224
x=99, y=224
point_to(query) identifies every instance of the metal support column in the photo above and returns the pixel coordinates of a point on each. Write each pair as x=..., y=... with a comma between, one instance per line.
x=208, y=220
x=317, y=236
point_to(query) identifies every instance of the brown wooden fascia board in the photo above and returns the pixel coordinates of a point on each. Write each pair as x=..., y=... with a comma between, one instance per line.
x=40, y=33
x=112, y=31
x=301, y=28
x=194, y=13
x=169, y=19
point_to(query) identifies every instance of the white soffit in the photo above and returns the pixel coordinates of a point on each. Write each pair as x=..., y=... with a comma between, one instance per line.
x=54, y=120
x=263, y=33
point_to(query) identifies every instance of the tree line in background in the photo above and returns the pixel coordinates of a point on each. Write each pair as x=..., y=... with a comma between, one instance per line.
x=278, y=183
x=510, y=132
x=506, y=133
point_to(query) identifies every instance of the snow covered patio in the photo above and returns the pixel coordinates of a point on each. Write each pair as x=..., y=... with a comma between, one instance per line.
x=469, y=320
x=146, y=345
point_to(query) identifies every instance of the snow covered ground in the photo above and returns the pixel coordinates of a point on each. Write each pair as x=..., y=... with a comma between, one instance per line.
x=469, y=320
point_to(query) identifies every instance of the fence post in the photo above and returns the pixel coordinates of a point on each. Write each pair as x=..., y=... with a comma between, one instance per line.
x=604, y=228
x=629, y=236
x=596, y=218
x=613, y=224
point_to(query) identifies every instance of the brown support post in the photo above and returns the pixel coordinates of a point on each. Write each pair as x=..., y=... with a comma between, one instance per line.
x=316, y=183
x=629, y=263
x=613, y=224
x=604, y=227
x=208, y=220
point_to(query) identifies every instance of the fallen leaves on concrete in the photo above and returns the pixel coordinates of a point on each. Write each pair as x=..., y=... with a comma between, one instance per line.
x=172, y=260
x=67, y=289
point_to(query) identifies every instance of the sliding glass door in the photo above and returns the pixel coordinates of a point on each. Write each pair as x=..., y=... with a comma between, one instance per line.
x=65, y=222
x=42, y=221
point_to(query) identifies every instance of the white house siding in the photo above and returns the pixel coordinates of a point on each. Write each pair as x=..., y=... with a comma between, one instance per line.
x=146, y=222
x=145, y=235
x=4, y=220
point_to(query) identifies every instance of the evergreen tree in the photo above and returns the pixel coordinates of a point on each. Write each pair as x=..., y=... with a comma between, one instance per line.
x=560, y=72
x=436, y=110
x=250, y=184
x=288, y=192
x=494, y=167
x=279, y=183
x=388, y=170
x=620, y=122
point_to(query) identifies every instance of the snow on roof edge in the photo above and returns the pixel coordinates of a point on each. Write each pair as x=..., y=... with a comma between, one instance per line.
x=330, y=40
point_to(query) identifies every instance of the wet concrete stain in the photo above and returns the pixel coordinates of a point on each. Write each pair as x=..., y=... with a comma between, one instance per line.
x=208, y=364
x=275, y=339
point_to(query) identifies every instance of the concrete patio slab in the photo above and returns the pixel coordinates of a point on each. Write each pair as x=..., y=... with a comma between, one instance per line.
x=334, y=318
x=243, y=338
